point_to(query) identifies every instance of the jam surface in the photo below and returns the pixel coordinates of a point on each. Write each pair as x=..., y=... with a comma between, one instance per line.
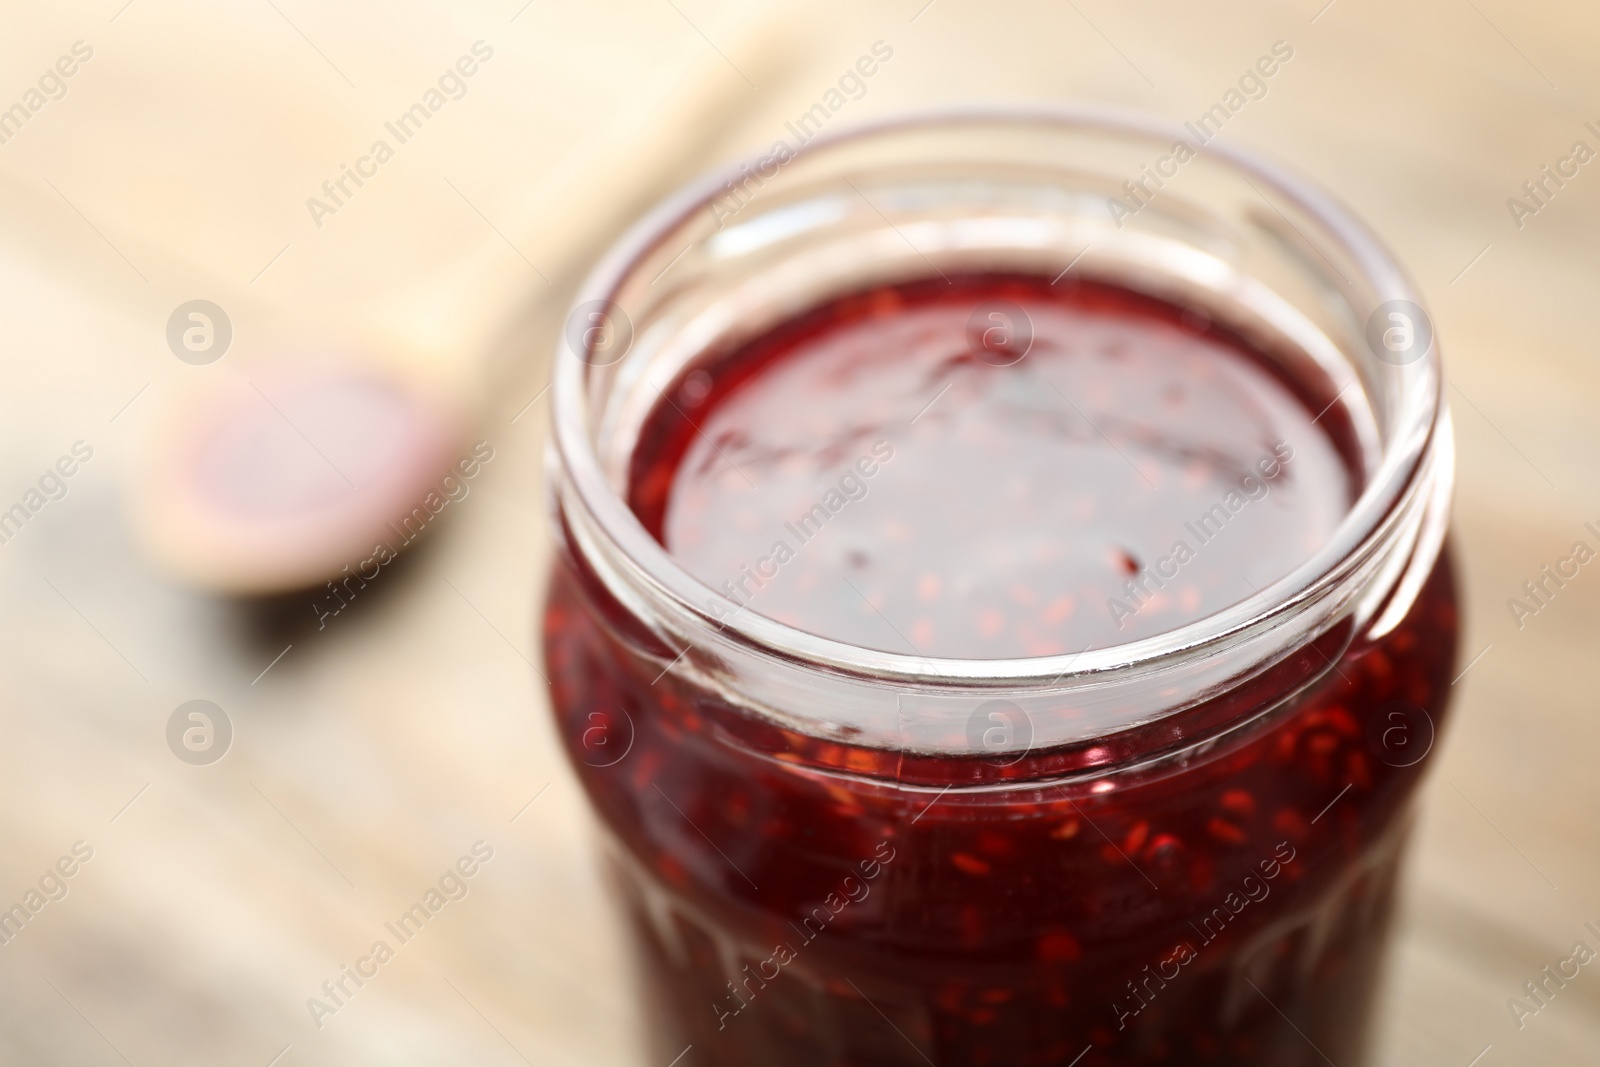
x=990, y=467
x=801, y=902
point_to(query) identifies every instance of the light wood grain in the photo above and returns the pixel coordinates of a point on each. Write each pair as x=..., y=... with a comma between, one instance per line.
x=377, y=751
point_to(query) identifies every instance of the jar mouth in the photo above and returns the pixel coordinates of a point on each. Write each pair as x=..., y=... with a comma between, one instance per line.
x=1362, y=566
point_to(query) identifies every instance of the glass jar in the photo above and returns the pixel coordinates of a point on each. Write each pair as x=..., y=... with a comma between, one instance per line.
x=1179, y=849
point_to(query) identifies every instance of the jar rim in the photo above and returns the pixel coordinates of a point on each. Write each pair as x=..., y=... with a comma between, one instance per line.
x=1360, y=535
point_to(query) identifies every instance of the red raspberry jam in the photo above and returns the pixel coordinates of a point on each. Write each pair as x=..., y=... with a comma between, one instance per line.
x=999, y=467
x=899, y=471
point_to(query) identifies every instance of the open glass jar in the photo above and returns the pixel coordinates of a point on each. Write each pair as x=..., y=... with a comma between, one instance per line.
x=1177, y=846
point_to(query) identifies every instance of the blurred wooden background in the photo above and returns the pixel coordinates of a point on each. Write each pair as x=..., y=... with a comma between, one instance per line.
x=374, y=753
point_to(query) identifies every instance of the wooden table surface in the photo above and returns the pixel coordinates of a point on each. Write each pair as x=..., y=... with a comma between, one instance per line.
x=371, y=755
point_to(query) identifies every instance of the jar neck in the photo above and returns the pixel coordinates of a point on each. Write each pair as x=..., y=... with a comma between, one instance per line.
x=680, y=284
